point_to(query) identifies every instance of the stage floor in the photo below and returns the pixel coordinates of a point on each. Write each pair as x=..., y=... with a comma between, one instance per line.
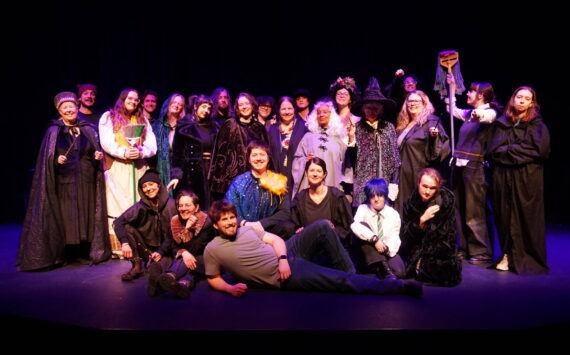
x=95, y=298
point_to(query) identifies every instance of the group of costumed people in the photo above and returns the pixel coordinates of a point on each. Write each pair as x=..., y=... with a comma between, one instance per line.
x=377, y=184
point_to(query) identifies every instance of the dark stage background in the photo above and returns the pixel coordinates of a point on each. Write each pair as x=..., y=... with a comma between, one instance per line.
x=269, y=48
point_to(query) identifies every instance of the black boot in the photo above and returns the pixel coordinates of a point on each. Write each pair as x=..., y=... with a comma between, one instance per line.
x=384, y=271
x=136, y=271
x=154, y=271
x=169, y=283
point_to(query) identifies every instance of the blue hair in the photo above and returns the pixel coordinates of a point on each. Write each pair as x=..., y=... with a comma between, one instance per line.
x=375, y=187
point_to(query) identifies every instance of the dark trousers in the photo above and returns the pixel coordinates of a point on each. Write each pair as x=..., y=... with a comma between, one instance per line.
x=307, y=276
x=284, y=229
x=373, y=257
x=470, y=189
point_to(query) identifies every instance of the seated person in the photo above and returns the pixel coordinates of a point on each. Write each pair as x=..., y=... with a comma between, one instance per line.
x=191, y=231
x=261, y=259
x=378, y=227
x=260, y=195
x=144, y=226
x=428, y=232
x=320, y=201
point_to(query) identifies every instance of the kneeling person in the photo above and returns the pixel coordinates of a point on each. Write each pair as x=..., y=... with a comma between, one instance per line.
x=378, y=227
x=191, y=231
x=263, y=259
x=144, y=226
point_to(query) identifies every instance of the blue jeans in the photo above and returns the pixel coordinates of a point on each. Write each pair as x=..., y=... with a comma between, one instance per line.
x=182, y=273
x=319, y=236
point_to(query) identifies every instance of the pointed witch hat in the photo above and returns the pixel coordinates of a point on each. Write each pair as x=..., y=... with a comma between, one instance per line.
x=373, y=94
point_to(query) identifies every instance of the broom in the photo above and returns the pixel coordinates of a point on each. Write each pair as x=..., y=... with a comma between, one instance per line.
x=133, y=133
x=450, y=61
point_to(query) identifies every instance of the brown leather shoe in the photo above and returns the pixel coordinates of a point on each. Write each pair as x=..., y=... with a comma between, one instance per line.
x=135, y=272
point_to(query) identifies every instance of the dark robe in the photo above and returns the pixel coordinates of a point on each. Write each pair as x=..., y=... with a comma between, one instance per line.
x=434, y=246
x=67, y=203
x=518, y=154
x=279, y=154
x=192, y=148
x=229, y=157
x=145, y=226
x=419, y=150
x=340, y=211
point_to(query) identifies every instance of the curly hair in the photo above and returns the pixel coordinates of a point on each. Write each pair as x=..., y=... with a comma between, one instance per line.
x=336, y=128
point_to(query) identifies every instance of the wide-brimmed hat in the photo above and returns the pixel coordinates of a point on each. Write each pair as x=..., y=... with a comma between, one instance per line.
x=373, y=94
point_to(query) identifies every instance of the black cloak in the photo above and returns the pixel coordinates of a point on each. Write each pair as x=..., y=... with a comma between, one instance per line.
x=229, y=157
x=518, y=153
x=43, y=237
x=434, y=246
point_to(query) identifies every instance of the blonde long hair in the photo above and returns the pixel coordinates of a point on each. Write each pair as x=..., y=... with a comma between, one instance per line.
x=404, y=116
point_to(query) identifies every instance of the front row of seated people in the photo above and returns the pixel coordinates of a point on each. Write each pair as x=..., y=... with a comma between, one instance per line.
x=316, y=248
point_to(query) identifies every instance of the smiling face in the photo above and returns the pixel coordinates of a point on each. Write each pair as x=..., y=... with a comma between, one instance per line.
x=286, y=112
x=258, y=160
x=186, y=207
x=87, y=98
x=245, y=108
x=342, y=98
x=409, y=84
x=176, y=105
x=227, y=224
x=132, y=101
x=68, y=111
x=150, y=189
x=428, y=188
x=324, y=115
x=315, y=175
x=149, y=103
x=264, y=110
x=203, y=111
x=415, y=104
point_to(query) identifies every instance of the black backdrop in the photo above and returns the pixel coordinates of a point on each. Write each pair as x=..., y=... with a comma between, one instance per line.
x=268, y=48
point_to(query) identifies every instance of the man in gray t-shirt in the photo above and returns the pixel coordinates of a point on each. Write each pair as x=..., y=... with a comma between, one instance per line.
x=263, y=259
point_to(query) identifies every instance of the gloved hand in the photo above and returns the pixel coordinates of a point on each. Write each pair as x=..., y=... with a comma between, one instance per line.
x=392, y=191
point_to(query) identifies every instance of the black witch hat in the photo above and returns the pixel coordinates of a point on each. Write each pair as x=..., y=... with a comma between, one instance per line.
x=373, y=94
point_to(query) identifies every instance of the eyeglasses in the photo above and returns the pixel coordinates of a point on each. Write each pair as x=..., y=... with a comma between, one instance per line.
x=410, y=83
x=415, y=102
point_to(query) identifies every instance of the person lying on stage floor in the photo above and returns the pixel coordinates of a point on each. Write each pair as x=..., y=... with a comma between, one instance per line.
x=260, y=259
x=428, y=232
x=143, y=227
x=260, y=195
x=378, y=227
x=191, y=231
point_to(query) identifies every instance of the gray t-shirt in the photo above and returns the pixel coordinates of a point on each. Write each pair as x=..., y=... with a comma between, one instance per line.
x=248, y=259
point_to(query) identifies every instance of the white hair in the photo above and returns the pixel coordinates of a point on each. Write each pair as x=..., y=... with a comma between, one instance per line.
x=336, y=128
